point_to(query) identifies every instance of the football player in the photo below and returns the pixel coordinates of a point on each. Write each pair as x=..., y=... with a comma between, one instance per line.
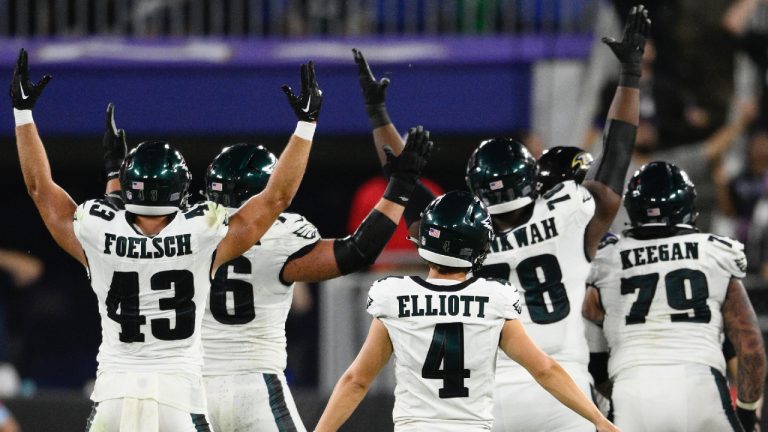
x=150, y=264
x=445, y=331
x=562, y=163
x=664, y=293
x=244, y=323
x=546, y=242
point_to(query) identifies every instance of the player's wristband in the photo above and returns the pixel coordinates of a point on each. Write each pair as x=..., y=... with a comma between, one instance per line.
x=22, y=117
x=305, y=130
x=377, y=115
x=399, y=190
x=749, y=405
x=630, y=75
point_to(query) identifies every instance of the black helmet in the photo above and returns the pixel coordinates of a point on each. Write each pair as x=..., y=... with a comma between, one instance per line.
x=662, y=193
x=502, y=173
x=237, y=173
x=154, y=179
x=562, y=163
x=455, y=231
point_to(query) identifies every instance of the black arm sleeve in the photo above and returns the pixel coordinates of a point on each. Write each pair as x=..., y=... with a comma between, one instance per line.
x=610, y=168
x=361, y=249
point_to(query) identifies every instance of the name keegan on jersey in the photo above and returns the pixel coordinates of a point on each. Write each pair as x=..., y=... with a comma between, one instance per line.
x=653, y=254
x=527, y=235
x=444, y=304
x=147, y=248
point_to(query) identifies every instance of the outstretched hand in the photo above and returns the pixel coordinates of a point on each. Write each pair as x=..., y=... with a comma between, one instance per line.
x=631, y=47
x=307, y=104
x=374, y=92
x=414, y=157
x=114, y=144
x=24, y=92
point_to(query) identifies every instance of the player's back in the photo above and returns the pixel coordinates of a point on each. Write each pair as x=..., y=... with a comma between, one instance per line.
x=244, y=321
x=546, y=258
x=150, y=292
x=663, y=297
x=445, y=336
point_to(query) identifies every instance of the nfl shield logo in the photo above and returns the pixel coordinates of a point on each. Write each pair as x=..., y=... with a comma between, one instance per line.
x=137, y=185
x=434, y=232
x=217, y=186
x=653, y=212
x=496, y=185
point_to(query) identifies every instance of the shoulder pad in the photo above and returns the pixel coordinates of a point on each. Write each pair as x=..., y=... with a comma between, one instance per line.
x=555, y=189
x=608, y=239
x=298, y=226
x=388, y=278
x=732, y=247
x=497, y=280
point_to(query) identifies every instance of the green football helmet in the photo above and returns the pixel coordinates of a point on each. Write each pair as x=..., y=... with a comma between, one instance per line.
x=660, y=193
x=502, y=173
x=154, y=179
x=455, y=231
x=237, y=173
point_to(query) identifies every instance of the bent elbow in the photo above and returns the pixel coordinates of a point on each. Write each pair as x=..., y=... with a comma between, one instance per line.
x=355, y=382
x=544, y=370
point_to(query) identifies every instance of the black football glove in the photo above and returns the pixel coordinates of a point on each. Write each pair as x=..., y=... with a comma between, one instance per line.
x=747, y=418
x=24, y=93
x=307, y=104
x=114, y=145
x=374, y=92
x=405, y=169
x=630, y=49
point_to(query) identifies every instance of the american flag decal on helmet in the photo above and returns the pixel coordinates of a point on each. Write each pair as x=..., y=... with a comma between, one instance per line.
x=434, y=232
x=137, y=185
x=653, y=211
x=496, y=185
x=217, y=186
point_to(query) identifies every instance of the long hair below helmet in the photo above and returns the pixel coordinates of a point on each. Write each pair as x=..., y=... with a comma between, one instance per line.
x=455, y=231
x=502, y=173
x=154, y=179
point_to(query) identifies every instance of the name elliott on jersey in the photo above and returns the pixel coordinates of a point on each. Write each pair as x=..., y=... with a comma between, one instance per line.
x=441, y=305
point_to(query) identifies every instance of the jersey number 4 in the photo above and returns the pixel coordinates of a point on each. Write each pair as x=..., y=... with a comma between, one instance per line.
x=539, y=275
x=694, y=297
x=124, y=294
x=447, y=348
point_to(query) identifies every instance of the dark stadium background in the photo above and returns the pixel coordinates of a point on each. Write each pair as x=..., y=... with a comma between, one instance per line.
x=467, y=70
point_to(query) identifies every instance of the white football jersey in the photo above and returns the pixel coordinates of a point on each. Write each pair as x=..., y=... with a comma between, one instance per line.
x=663, y=298
x=445, y=336
x=546, y=258
x=244, y=322
x=151, y=290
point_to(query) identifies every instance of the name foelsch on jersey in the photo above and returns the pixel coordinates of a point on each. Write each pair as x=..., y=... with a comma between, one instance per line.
x=655, y=253
x=147, y=248
x=527, y=235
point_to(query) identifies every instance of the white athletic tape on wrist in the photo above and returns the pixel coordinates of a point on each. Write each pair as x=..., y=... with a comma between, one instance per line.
x=751, y=406
x=22, y=117
x=305, y=130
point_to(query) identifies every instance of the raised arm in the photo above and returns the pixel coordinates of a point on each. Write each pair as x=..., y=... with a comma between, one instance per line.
x=605, y=180
x=385, y=136
x=55, y=205
x=354, y=384
x=255, y=216
x=334, y=257
x=549, y=374
x=115, y=148
x=742, y=329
